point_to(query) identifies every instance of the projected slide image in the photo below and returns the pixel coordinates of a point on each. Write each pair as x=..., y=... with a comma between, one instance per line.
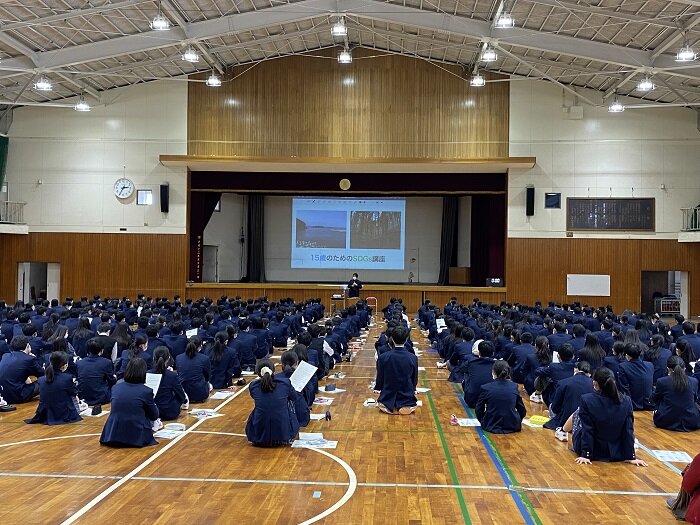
x=375, y=229
x=321, y=229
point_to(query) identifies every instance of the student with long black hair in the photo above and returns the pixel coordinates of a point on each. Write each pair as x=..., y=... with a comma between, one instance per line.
x=604, y=430
x=225, y=364
x=592, y=352
x=658, y=356
x=541, y=358
x=301, y=408
x=194, y=370
x=136, y=349
x=132, y=410
x=676, y=399
x=273, y=421
x=81, y=336
x=58, y=396
x=500, y=409
x=685, y=352
x=170, y=397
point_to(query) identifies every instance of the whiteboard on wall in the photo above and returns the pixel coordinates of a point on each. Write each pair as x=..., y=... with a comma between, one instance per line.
x=587, y=284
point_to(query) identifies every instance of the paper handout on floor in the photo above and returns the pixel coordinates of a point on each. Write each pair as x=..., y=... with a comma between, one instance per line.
x=204, y=413
x=313, y=440
x=672, y=456
x=323, y=401
x=468, y=422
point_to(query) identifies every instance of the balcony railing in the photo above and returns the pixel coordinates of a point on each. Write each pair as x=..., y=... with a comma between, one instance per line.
x=12, y=212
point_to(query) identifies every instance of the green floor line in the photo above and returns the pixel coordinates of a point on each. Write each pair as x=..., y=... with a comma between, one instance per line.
x=448, y=456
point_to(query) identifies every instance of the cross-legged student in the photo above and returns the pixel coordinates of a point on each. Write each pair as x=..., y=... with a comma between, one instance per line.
x=95, y=375
x=547, y=377
x=57, y=394
x=170, y=396
x=225, y=364
x=567, y=397
x=500, y=409
x=397, y=377
x=676, y=399
x=478, y=372
x=132, y=410
x=194, y=370
x=136, y=349
x=273, y=421
x=301, y=408
x=603, y=427
x=16, y=370
x=636, y=378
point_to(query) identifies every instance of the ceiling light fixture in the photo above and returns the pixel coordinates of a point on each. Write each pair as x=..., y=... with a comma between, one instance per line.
x=213, y=80
x=82, y=106
x=43, y=84
x=477, y=80
x=339, y=28
x=645, y=85
x=616, y=106
x=345, y=56
x=159, y=22
x=685, y=53
x=505, y=20
x=190, y=55
x=488, y=54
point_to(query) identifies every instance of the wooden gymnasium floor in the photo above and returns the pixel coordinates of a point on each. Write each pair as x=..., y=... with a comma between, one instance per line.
x=386, y=469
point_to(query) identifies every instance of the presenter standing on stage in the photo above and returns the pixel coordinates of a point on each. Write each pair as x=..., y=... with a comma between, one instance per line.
x=354, y=286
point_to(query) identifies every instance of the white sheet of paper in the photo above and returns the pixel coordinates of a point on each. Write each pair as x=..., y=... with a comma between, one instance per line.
x=421, y=369
x=153, y=382
x=167, y=434
x=468, y=422
x=224, y=394
x=191, y=333
x=302, y=375
x=419, y=403
x=204, y=413
x=321, y=443
x=672, y=456
x=555, y=357
x=327, y=349
x=440, y=324
x=310, y=436
x=247, y=373
x=88, y=413
x=323, y=401
x=336, y=391
x=317, y=417
x=421, y=390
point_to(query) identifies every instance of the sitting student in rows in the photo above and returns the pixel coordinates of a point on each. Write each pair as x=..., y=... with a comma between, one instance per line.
x=612, y=362
x=477, y=372
x=541, y=358
x=519, y=356
x=176, y=340
x=301, y=407
x=567, y=397
x=592, y=352
x=171, y=397
x=691, y=338
x=676, y=399
x=462, y=352
x=309, y=391
x=636, y=378
x=58, y=397
x=246, y=344
x=16, y=371
x=225, y=364
x=137, y=349
x=397, y=377
x=272, y=421
x=95, y=375
x=132, y=410
x=500, y=409
x=194, y=370
x=658, y=356
x=685, y=352
x=81, y=336
x=547, y=377
x=603, y=426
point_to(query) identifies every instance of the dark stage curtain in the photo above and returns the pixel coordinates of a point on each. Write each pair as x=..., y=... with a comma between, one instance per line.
x=488, y=237
x=256, y=245
x=448, y=240
x=202, y=206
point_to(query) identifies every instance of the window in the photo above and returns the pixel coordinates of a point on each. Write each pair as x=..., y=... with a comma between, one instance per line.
x=552, y=200
x=144, y=197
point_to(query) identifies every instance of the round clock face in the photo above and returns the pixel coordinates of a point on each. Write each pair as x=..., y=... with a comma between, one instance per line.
x=123, y=188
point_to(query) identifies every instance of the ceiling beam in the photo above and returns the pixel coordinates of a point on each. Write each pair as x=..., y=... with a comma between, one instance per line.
x=675, y=36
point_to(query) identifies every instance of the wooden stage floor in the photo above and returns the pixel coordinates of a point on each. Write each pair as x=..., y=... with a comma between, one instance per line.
x=386, y=469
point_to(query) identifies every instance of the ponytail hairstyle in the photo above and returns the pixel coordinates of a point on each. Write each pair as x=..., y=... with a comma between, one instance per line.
x=685, y=352
x=217, y=351
x=301, y=352
x=264, y=369
x=501, y=370
x=654, y=350
x=135, y=347
x=57, y=361
x=678, y=376
x=161, y=359
x=193, y=345
x=544, y=354
x=289, y=361
x=606, y=382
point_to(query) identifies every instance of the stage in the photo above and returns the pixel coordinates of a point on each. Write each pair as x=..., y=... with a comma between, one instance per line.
x=413, y=295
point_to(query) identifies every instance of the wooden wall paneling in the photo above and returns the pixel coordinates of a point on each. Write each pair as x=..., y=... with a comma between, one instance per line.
x=381, y=107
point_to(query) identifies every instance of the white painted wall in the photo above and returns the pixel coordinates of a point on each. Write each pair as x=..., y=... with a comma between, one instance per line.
x=603, y=155
x=224, y=231
x=79, y=156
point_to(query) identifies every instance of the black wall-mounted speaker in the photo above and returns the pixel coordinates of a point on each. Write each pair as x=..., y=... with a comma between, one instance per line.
x=164, y=198
x=530, y=201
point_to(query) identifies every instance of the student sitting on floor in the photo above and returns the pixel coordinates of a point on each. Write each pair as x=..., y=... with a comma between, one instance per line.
x=273, y=421
x=95, y=375
x=170, y=397
x=612, y=362
x=567, y=397
x=592, y=352
x=137, y=349
x=58, y=396
x=658, y=356
x=636, y=378
x=132, y=410
x=547, y=377
x=301, y=408
x=541, y=358
x=309, y=391
x=477, y=372
x=500, y=409
x=603, y=426
x=686, y=506
x=225, y=364
x=16, y=371
x=676, y=399
x=397, y=377
x=194, y=370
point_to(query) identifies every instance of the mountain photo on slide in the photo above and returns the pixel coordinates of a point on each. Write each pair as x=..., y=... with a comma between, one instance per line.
x=375, y=229
x=321, y=229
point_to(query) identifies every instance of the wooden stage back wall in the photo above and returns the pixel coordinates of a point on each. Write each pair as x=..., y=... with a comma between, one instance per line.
x=388, y=107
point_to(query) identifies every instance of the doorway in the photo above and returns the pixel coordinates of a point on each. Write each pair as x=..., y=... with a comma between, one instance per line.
x=665, y=292
x=37, y=281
